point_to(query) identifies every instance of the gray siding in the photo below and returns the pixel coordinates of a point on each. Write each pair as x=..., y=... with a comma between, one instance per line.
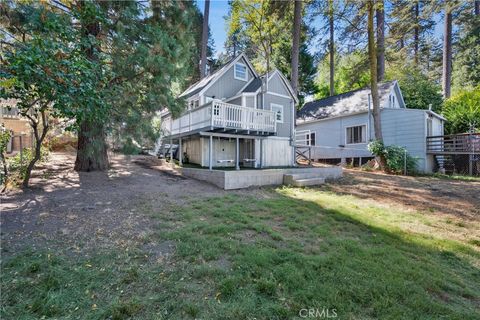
x=283, y=129
x=237, y=101
x=227, y=86
x=330, y=135
x=250, y=101
x=402, y=127
x=276, y=85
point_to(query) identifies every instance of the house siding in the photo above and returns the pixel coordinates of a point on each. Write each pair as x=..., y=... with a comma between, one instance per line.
x=276, y=85
x=283, y=129
x=227, y=86
x=402, y=127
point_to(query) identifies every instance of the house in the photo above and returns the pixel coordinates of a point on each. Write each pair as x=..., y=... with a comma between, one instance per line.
x=338, y=128
x=235, y=118
x=21, y=131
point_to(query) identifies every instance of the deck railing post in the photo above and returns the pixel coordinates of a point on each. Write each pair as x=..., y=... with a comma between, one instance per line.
x=237, y=154
x=210, y=152
x=180, y=154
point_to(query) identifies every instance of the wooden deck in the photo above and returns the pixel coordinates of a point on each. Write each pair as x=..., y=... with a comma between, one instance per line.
x=225, y=116
x=455, y=144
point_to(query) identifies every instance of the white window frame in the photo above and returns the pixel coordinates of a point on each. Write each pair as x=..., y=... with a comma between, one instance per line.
x=309, y=138
x=278, y=107
x=364, y=139
x=235, y=71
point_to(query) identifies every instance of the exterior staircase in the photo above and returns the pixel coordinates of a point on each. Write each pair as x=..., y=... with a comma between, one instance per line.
x=303, y=179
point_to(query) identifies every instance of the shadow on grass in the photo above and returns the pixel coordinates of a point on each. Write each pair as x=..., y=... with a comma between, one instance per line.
x=245, y=257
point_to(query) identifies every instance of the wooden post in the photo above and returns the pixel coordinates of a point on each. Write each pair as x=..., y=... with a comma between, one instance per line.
x=261, y=153
x=21, y=148
x=210, y=152
x=237, y=154
x=180, y=154
x=171, y=152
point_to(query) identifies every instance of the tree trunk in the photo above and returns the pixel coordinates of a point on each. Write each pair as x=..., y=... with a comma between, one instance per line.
x=92, y=148
x=416, y=35
x=203, y=58
x=380, y=15
x=297, y=23
x=477, y=7
x=332, y=50
x=447, y=53
x=373, y=72
x=39, y=138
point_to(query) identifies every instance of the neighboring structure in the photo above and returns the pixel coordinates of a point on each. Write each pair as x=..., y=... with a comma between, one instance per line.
x=21, y=132
x=235, y=118
x=338, y=128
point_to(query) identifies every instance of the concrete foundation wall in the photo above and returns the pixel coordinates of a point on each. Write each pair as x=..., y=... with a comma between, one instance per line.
x=277, y=152
x=229, y=180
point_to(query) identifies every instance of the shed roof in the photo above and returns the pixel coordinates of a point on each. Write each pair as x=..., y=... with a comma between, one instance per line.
x=343, y=104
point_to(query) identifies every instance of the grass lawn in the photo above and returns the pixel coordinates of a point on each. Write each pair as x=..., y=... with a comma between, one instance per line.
x=263, y=256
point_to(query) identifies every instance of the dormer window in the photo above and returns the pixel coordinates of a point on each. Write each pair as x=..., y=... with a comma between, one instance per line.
x=240, y=71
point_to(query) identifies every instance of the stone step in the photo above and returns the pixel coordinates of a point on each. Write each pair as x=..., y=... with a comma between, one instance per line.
x=289, y=178
x=308, y=182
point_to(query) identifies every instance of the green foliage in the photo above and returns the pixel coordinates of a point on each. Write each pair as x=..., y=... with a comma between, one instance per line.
x=396, y=157
x=147, y=54
x=4, y=139
x=466, y=71
x=462, y=112
x=259, y=29
x=351, y=73
x=17, y=165
x=129, y=147
x=418, y=91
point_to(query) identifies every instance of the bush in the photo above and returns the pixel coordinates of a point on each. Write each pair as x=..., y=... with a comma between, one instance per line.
x=394, y=157
x=18, y=166
x=463, y=112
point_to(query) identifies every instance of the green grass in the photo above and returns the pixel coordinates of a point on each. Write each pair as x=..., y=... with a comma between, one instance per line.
x=265, y=257
x=455, y=177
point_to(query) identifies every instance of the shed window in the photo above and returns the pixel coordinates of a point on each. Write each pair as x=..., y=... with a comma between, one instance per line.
x=278, y=110
x=241, y=72
x=311, y=139
x=356, y=134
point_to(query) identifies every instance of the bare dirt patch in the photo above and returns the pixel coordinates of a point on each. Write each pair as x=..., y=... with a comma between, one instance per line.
x=459, y=199
x=79, y=211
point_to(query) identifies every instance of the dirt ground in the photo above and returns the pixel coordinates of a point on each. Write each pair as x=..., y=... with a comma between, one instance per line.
x=433, y=195
x=79, y=211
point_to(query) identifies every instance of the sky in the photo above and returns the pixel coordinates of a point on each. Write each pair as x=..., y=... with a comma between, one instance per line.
x=218, y=28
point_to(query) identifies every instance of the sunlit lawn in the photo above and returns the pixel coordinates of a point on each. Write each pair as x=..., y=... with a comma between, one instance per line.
x=265, y=257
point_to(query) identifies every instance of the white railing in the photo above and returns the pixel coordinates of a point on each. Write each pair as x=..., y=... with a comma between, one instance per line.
x=302, y=138
x=227, y=116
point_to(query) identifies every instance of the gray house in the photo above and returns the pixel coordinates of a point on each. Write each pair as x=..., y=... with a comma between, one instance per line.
x=338, y=128
x=235, y=117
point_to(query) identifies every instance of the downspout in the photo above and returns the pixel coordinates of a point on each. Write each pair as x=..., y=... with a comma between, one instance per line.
x=292, y=136
x=369, y=116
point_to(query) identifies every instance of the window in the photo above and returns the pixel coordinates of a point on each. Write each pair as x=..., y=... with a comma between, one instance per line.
x=240, y=72
x=279, y=111
x=310, y=139
x=193, y=104
x=356, y=134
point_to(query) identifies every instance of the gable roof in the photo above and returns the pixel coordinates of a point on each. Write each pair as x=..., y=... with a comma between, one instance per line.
x=253, y=86
x=205, y=82
x=344, y=104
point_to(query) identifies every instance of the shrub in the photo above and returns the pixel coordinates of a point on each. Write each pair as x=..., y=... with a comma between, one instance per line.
x=463, y=112
x=18, y=164
x=394, y=157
